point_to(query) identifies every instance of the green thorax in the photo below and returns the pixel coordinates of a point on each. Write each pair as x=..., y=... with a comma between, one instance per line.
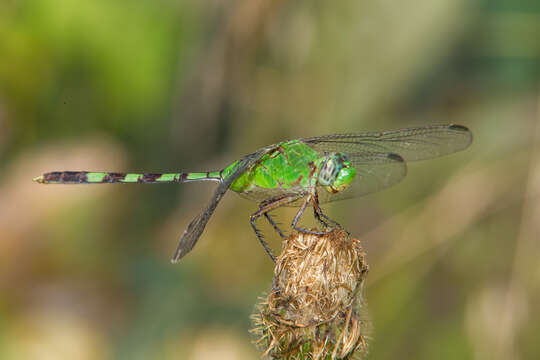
x=291, y=164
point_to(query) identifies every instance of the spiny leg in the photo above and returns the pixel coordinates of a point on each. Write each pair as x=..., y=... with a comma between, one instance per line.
x=299, y=215
x=318, y=217
x=319, y=213
x=316, y=213
x=333, y=222
x=269, y=217
x=264, y=208
x=274, y=225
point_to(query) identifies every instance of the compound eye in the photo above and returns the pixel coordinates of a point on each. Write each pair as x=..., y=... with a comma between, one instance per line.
x=328, y=172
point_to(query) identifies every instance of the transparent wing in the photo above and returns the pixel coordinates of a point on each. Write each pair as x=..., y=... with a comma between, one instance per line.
x=197, y=225
x=374, y=172
x=411, y=144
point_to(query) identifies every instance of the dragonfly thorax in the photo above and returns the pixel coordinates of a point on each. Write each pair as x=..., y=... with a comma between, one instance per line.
x=336, y=173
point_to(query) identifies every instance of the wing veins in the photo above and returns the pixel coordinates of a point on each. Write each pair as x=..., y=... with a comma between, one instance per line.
x=412, y=144
x=196, y=227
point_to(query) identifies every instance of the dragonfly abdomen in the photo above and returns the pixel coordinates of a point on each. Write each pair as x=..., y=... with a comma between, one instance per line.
x=89, y=177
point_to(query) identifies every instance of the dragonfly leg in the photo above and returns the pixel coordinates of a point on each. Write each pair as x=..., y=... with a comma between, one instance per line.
x=319, y=218
x=335, y=223
x=299, y=215
x=264, y=208
x=274, y=225
x=269, y=217
x=319, y=213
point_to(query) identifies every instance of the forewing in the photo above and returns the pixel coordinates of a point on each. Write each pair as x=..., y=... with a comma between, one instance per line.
x=197, y=225
x=374, y=172
x=411, y=144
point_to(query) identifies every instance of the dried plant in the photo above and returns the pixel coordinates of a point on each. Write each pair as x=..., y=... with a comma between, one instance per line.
x=315, y=309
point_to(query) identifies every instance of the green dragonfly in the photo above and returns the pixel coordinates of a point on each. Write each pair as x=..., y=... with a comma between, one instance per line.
x=301, y=172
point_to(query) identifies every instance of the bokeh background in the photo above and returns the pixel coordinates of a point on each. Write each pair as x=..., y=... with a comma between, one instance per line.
x=169, y=85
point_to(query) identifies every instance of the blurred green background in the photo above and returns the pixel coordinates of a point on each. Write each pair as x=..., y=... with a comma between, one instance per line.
x=192, y=85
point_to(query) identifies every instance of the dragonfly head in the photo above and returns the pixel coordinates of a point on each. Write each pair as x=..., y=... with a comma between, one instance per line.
x=336, y=173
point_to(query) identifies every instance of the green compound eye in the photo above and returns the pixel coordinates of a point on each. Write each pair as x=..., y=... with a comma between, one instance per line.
x=343, y=180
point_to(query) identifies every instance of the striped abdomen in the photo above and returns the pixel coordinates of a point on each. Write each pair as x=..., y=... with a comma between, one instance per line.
x=87, y=177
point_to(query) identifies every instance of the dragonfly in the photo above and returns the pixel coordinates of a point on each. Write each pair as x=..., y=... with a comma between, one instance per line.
x=300, y=173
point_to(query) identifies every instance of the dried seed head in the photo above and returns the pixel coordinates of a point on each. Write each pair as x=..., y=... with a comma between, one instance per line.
x=315, y=309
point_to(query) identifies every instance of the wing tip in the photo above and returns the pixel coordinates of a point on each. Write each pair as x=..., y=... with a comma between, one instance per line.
x=458, y=127
x=395, y=157
x=178, y=254
x=465, y=132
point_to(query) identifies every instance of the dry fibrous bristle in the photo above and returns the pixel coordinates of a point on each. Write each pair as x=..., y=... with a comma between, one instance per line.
x=315, y=309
